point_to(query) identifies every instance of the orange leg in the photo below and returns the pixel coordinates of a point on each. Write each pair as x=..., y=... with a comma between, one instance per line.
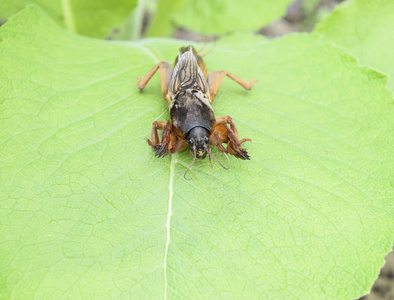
x=223, y=134
x=165, y=76
x=215, y=80
x=169, y=141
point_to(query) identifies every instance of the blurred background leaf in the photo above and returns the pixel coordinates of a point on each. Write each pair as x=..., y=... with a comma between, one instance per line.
x=184, y=19
x=215, y=17
x=365, y=29
x=94, y=18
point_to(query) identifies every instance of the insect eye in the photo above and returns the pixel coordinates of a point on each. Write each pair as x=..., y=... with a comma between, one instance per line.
x=206, y=139
x=190, y=141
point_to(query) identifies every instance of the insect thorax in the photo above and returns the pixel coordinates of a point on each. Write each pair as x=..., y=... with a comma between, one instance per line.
x=191, y=108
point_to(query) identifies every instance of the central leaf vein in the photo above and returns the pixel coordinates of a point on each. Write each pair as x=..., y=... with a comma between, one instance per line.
x=170, y=195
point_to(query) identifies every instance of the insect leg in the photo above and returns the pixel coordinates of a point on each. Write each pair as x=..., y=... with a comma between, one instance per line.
x=228, y=120
x=223, y=134
x=169, y=140
x=155, y=143
x=215, y=79
x=162, y=148
x=165, y=76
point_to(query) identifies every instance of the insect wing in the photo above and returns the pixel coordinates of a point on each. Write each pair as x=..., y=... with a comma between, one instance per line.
x=187, y=75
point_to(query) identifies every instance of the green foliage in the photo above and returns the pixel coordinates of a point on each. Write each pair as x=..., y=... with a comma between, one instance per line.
x=215, y=16
x=84, y=202
x=309, y=6
x=366, y=30
x=94, y=18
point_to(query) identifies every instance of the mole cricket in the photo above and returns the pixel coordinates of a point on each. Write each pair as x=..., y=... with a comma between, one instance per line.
x=189, y=93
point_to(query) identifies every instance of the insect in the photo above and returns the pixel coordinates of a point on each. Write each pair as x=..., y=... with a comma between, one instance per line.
x=189, y=93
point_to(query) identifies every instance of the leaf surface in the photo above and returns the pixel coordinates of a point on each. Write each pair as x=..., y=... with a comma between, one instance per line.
x=85, y=204
x=215, y=16
x=366, y=30
x=94, y=18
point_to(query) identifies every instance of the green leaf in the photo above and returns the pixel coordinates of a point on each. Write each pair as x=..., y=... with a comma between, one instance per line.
x=94, y=18
x=309, y=6
x=215, y=16
x=366, y=30
x=162, y=21
x=85, y=204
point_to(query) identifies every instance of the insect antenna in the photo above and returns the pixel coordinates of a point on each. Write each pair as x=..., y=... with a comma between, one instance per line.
x=160, y=115
x=210, y=160
x=194, y=158
x=209, y=154
x=203, y=46
x=210, y=50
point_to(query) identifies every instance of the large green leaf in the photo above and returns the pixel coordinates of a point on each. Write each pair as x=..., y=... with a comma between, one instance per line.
x=366, y=30
x=85, y=204
x=215, y=16
x=93, y=18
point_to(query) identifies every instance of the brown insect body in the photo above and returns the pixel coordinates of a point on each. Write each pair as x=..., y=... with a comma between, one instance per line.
x=191, y=111
x=189, y=94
